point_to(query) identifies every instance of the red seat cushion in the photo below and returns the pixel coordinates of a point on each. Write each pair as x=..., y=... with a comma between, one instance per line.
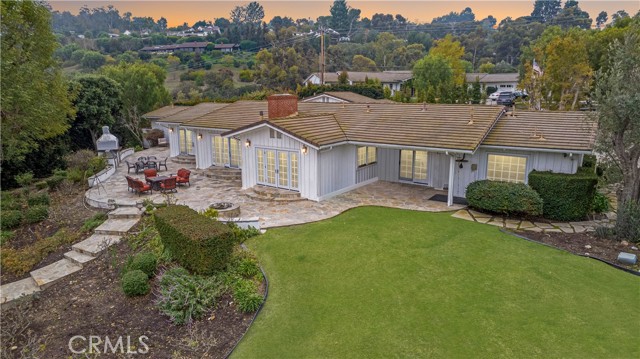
x=182, y=180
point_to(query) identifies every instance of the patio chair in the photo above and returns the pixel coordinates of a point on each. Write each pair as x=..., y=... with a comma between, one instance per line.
x=142, y=159
x=141, y=187
x=163, y=163
x=131, y=166
x=169, y=185
x=183, y=176
x=152, y=164
x=150, y=172
x=130, y=184
x=139, y=166
x=152, y=158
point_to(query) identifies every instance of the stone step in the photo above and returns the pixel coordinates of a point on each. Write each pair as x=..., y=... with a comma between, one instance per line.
x=268, y=192
x=264, y=198
x=116, y=226
x=48, y=275
x=16, y=290
x=96, y=243
x=125, y=213
x=78, y=258
x=184, y=159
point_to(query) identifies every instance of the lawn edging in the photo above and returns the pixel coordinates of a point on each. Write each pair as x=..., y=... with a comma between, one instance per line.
x=504, y=230
x=255, y=315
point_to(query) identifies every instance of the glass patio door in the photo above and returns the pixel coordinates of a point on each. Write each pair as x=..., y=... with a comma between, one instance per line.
x=186, y=142
x=413, y=166
x=277, y=168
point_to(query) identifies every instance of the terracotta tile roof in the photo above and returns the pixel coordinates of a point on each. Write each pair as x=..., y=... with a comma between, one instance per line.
x=446, y=127
x=544, y=130
x=165, y=111
x=238, y=114
x=484, y=77
x=348, y=96
x=193, y=112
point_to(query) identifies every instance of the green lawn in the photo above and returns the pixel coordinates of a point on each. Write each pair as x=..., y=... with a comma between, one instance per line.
x=376, y=282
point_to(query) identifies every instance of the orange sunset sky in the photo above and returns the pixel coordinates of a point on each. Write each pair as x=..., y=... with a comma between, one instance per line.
x=177, y=12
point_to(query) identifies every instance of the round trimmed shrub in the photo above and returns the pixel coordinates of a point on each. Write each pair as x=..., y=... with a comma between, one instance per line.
x=37, y=213
x=135, y=283
x=146, y=262
x=504, y=198
x=11, y=219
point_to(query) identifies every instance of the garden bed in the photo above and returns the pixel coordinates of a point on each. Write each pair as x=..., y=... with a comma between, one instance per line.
x=602, y=248
x=91, y=302
x=67, y=210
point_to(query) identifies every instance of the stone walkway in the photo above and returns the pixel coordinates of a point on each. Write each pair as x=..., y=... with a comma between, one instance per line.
x=205, y=191
x=107, y=234
x=524, y=225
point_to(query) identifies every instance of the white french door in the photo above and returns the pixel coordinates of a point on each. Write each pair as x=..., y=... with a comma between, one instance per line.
x=413, y=166
x=277, y=168
x=186, y=142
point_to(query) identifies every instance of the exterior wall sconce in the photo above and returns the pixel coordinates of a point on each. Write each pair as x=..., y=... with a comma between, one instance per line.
x=170, y=129
x=247, y=143
x=304, y=149
x=199, y=136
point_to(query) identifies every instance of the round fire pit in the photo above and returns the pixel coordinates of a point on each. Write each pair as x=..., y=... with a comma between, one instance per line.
x=226, y=209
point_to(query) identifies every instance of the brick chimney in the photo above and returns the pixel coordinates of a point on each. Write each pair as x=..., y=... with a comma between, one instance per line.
x=282, y=105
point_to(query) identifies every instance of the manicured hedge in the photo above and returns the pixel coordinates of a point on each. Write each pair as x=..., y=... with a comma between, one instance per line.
x=504, y=198
x=566, y=197
x=198, y=243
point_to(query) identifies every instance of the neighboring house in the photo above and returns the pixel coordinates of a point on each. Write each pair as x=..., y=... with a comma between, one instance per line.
x=502, y=82
x=391, y=79
x=200, y=31
x=324, y=149
x=198, y=47
x=127, y=33
x=227, y=47
x=343, y=97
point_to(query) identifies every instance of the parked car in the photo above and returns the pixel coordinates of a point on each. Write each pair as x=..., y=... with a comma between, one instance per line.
x=494, y=96
x=505, y=98
x=520, y=94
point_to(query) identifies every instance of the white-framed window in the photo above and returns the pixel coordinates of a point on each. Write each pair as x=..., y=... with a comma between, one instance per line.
x=274, y=134
x=506, y=168
x=367, y=155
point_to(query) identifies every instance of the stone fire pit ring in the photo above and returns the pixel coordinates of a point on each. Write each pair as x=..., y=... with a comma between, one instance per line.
x=226, y=209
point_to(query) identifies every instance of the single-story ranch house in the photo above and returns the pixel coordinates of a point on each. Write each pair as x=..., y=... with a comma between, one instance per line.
x=501, y=82
x=391, y=79
x=324, y=149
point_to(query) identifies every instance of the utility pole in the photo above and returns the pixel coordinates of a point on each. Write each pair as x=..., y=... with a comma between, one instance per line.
x=322, y=64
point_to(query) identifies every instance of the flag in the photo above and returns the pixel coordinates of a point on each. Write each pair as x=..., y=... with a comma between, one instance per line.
x=536, y=68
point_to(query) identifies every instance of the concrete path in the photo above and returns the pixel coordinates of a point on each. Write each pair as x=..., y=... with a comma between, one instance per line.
x=524, y=225
x=120, y=221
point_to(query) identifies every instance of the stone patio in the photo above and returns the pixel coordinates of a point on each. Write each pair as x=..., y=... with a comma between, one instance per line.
x=205, y=191
x=524, y=225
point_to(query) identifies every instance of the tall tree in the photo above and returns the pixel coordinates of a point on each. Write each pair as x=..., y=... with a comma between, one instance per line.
x=545, y=10
x=143, y=90
x=98, y=103
x=452, y=51
x=362, y=63
x=35, y=101
x=433, y=78
x=618, y=96
x=601, y=19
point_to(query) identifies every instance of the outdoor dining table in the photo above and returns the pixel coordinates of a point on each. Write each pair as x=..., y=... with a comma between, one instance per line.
x=155, y=182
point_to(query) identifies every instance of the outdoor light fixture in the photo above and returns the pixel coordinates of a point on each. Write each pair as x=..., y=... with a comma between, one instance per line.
x=247, y=143
x=304, y=149
x=170, y=129
x=199, y=136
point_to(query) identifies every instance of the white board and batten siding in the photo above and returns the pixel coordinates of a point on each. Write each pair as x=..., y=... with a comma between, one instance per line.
x=337, y=169
x=438, y=166
x=308, y=163
x=174, y=145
